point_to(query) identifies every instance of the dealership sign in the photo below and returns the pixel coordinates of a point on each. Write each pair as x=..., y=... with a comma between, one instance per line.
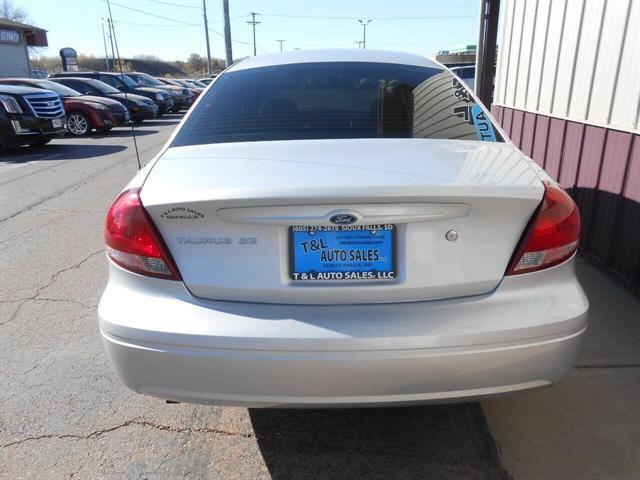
x=69, y=59
x=11, y=37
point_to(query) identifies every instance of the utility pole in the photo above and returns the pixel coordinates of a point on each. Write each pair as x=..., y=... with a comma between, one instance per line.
x=281, y=42
x=254, y=23
x=206, y=34
x=364, y=32
x=113, y=51
x=227, y=32
x=486, y=50
x=104, y=40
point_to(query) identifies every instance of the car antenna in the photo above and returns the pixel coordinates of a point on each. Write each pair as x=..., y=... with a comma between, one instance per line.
x=115, y=40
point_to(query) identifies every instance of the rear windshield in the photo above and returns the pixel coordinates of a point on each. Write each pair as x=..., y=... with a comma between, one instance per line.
x=336, y=100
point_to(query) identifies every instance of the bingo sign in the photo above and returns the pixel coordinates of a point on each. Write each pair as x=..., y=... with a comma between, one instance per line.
x=10, y=37
x=69, y=59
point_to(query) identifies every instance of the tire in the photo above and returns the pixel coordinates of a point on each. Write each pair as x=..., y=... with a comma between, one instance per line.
x=138, y=121
x=78, y=124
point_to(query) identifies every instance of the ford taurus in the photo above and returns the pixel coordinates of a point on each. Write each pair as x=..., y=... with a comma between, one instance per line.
x=339, y=228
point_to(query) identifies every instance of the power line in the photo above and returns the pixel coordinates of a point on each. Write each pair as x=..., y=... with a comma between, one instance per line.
x=161, y=25
x=153, y=14
x=322, y=17
x=181, y=5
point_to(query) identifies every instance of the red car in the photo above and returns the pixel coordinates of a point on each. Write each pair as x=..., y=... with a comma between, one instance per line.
x=84, y=112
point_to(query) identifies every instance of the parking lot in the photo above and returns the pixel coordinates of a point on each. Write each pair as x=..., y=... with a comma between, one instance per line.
x=64, y=412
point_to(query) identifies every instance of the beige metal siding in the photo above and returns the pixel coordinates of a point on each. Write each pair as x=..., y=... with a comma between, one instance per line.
x=573, y=59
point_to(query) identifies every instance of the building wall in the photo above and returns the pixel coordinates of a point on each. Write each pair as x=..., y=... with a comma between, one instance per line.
x=573, y=59
x=568, y=95
x=14, y=60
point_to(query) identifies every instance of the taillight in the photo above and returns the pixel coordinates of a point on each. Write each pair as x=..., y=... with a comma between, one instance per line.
x=133, y=242
x=552, y=236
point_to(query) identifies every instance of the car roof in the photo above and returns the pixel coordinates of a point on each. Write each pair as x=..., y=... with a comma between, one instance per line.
x=82, y=79
x=334, y=55
x=21, y=79
x=86, y=74
x=17, y=90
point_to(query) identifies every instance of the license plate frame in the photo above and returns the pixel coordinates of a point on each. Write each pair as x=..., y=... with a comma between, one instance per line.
x=56, y=123
x=361, y=269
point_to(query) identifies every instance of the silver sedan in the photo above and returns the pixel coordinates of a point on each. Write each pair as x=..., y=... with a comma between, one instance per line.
x=333, y=228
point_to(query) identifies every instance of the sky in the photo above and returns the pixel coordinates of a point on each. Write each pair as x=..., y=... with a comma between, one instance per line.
x=173, y=29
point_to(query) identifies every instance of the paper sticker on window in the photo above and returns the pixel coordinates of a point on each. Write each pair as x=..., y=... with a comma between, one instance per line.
x=483, y=125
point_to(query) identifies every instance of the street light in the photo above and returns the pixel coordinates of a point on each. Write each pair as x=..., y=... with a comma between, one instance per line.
x=364, y=32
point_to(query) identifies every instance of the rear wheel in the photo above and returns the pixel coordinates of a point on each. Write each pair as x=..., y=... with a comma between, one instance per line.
x=78, y=124
x=138, y=120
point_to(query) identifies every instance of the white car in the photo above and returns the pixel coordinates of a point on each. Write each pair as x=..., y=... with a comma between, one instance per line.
x=336, y=228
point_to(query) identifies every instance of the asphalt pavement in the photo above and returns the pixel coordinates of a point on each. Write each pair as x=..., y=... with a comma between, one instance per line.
x=64, y=414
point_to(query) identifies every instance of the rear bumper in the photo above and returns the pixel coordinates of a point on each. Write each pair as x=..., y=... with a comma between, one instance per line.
x=165, y=343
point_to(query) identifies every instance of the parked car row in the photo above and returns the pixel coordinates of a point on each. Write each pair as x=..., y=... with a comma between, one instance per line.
x=35, y=110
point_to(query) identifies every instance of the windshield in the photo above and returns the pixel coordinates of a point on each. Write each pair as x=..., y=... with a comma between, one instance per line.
x=61, y=90
x=145, y=80
x=336, y=100
x=102, y=87
x=127, y=81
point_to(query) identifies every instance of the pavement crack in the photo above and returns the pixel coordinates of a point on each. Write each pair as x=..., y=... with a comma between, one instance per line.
x=94, y=434
x=54, y=277
x=136, y=421
x=215, y=431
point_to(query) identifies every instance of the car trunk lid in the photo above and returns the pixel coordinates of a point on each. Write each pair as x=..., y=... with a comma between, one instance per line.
x=225, y=212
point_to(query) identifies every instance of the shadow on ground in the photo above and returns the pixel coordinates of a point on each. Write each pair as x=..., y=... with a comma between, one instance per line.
x=159, y=122
x=125, y=132
x=56, y=152
x=437, y=442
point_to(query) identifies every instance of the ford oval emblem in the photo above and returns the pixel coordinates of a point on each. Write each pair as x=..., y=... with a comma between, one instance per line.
x=343, y=219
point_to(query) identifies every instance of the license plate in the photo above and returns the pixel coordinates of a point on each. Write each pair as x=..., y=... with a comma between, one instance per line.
x=349, y=252
x=56, y=123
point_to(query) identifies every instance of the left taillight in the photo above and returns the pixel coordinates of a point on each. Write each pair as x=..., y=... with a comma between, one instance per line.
x=133, y=242
x=553, y=234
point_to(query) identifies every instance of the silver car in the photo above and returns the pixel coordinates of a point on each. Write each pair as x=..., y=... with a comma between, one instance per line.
x=339, y=228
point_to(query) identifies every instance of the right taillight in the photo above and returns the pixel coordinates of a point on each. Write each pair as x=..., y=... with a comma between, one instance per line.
x=552, y=236
x=133, y=241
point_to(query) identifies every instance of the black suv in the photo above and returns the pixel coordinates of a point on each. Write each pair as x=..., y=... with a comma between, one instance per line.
x=126, y=84
x=29, y=116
